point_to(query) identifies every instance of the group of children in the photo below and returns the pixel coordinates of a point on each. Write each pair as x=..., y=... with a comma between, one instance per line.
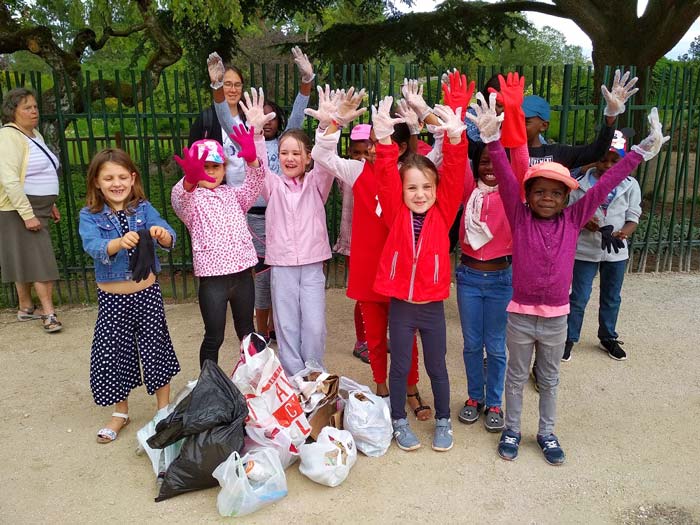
x=521, y=244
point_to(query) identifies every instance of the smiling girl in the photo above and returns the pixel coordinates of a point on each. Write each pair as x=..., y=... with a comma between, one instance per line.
x=130, y=333
x=419, y=207
x=223, y=254
x=296, y=246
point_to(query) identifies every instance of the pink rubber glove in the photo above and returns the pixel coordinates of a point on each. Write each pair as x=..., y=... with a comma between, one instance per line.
x=513, y=133
x=458, y=93
x=193, y=166
x=245, y=140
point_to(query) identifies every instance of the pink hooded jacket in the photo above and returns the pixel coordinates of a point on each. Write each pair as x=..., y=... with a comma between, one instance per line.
x=295, y=220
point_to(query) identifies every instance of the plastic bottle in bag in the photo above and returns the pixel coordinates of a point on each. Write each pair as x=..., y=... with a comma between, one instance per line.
x=256, y=472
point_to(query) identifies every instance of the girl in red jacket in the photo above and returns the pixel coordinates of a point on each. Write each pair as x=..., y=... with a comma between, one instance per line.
x=414, y=268
x=369, y=232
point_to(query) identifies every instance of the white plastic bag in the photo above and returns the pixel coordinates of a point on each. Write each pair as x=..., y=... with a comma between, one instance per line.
x=274, y=438
x=368, y=419
x=243, y=493
x=329, y=460
x=271, y=399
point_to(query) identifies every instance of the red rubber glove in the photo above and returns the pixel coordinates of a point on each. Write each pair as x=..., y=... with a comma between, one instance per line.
x=458, y=93
x=193, y=166
x=245, y=140
x=513, y=133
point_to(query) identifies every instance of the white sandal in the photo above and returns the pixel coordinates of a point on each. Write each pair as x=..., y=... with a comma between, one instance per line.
x=107, y=435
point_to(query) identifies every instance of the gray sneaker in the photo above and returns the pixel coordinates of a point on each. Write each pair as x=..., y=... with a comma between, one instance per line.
x=442, y=439
x=493, y=419
x=405, y=438
x=470, y=411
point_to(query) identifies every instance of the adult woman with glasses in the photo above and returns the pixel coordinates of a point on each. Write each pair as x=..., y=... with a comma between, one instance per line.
x=207, y=125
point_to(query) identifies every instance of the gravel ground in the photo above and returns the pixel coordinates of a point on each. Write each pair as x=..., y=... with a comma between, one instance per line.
x=629, y=430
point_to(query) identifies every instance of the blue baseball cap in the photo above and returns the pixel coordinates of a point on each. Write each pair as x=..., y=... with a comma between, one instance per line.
x=535, y=106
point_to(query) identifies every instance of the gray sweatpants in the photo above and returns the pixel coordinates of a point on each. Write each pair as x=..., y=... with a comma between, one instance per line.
x=299, y=311
x=547, y=336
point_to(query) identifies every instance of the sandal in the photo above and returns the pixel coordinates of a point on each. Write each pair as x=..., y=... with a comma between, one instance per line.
x=420, y=408
x=107, y=435
x=361, y=352
x=27, y=314
x=51, y=324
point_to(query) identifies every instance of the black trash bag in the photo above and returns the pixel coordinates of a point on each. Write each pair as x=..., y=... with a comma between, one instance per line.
x=211, y=419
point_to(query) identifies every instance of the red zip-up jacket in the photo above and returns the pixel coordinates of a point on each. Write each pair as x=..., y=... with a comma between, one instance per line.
x=418, y=271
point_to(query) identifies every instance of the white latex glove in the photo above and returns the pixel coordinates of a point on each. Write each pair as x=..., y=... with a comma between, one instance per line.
x=216, y=70
x=486, y=120
x=306, y=70
x=254, y=110
x=327, y=104
x=650, y=146
x=382, y=122
x=403, y=109
x=450, y=122
x=622, y=90
x=347, y=106
x=413, y=92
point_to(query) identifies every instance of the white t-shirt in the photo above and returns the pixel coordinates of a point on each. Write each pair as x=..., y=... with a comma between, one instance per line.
x=41, y=178
x=235, y=166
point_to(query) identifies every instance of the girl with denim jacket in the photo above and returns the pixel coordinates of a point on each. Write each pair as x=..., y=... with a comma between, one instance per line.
x=130, y=333
x=223, y=254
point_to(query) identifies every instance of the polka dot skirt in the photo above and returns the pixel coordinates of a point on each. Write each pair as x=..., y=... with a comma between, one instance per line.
x=130, y=328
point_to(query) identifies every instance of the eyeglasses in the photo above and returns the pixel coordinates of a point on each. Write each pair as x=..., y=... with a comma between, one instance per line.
x=235, y=85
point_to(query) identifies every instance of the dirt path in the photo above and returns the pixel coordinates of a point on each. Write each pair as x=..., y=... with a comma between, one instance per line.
x=629, y=430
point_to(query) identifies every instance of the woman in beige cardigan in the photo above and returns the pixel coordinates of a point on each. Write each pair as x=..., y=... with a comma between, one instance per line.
x=28, y=192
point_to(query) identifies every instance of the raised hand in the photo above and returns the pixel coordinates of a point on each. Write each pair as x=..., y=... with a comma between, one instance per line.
x=457, y=93
x=382, y=121
x=347, y=106
x=254, y=109
x=622, y=89
x=486, y=120
x=192, y=164
x=404, y=110
x=306, y=70
x=511, y=96
x=246, y=142
x=215, y=66
x=651, y=145
x=412, y=91
x=450, y=122
x=327, y=104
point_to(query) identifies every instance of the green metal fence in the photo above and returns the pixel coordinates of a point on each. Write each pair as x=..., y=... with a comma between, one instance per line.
x=157, y=126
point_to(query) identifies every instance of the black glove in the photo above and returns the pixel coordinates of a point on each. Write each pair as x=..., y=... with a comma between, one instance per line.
x=608, y=241
x=143, y=261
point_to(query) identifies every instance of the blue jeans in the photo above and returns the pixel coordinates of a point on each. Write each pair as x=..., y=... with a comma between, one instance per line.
x=482, y=298
x=611, y=276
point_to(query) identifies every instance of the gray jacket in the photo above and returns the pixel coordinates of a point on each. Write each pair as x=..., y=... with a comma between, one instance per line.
x=625, y=207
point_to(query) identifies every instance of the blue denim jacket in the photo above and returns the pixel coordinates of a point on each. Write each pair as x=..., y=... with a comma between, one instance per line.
x=97, y=229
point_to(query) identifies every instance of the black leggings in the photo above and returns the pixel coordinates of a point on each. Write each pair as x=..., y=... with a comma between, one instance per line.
x=214, y=294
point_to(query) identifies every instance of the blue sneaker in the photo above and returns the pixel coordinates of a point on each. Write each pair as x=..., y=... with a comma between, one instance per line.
x=551, y=449
x=508, y=445
x=405, y=438
x=442, y=439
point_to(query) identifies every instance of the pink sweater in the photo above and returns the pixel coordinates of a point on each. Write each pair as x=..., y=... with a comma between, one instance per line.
x=492, y=212
x=295, y=220
x=216, y=220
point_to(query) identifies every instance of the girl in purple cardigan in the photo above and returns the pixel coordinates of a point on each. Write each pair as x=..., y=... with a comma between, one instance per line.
x=545, y=233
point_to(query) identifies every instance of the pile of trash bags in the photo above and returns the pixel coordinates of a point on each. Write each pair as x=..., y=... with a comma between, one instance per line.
x=243, y=432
